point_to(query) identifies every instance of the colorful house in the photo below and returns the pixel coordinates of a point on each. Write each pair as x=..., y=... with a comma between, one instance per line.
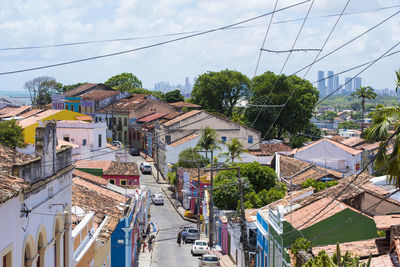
x=30, y=124
x=122, y=173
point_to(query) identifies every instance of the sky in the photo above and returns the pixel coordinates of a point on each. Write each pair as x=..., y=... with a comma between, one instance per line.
x=46, y=22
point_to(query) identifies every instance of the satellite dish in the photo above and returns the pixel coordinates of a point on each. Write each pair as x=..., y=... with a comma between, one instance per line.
x=78, y=211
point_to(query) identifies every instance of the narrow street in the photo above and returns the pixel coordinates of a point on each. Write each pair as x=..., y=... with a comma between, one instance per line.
x=166, y=251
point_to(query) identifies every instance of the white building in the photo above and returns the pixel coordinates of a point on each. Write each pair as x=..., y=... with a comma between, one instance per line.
x=85, y=134
x=332, y=155
x=35, y=203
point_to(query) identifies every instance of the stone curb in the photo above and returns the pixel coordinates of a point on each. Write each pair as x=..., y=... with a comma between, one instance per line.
x=183, y=217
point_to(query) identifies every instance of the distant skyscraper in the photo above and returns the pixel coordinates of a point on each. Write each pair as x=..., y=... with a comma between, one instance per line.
x=330, y=82
x=321, y=82
x=187, y=84
x=357, y=83
x=336, y=83
x=348, y=85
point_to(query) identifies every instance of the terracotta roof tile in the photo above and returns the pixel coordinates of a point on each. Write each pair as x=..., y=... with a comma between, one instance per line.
x=182, y=104
x=290, y=166
x=127, y=104
x=184, y=140
x=122, y=168
x=93, y=164
x=353, y=141
x=305, y=213
x=102, y=205
x=31, y=112
x=97, y=95
x=80, y=89
x=182, y=117
x=344, y=147
x=384, y=222
x=315, y=173
x=361, y=248
x=13, y=112
x=92, y=178
x=270, y=149
x=152, y=117
x=100, y=190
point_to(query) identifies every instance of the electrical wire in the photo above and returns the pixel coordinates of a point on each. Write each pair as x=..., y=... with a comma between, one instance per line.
x=151, y=45
x=284, y=64
x=185, y=32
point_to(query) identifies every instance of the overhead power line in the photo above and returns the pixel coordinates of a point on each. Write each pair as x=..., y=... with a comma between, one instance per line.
x=291, y=50
x=122, y=39
x=154, y=45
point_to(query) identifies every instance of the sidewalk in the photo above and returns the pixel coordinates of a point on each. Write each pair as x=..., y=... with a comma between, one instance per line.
x=146, y=256
x=180, y=210
x=225, y=261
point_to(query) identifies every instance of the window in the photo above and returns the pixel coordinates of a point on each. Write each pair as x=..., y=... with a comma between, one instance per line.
x=79, y=109
x=112, y=181
x=96, y=119
x=84, y=141
x=114, y=121
x=125, y=136
x=122, y=182
x=223, y=139
x=119, y=121
x=100, y=144
x=168, y=139
x=250, y=139
x=125, y=121
x=66, y=138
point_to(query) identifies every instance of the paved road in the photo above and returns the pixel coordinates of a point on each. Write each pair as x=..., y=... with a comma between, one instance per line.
x=166, y=251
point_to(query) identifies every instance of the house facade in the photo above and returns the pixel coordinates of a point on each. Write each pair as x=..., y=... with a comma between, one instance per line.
x=91, y=134
x=36, y=204
x=330, y=154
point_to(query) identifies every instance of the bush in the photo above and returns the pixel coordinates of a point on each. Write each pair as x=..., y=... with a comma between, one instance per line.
x=172, y=178
x=318, y=185
x=296, y=141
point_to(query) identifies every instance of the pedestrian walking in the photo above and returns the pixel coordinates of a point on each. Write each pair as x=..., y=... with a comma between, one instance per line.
x=150, y=243
x=184, y=236
x=143, y=241
x=178, y=240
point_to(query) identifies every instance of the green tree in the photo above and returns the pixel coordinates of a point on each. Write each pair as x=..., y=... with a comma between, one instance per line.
x=11, y=134
x=235, y=149
x=313, y=132
x=173, y=96
x=190, y=158
x=208, y=140
x=255, y=200
x=226, y=190
x=220, y=91
x=124, y=82
x=295, y=115
x=364, y=93
x=348, y=125
x=329, y=116
x=260, y=177
x=355, y=106
x=318, y=185
x=40, y=90
x=239, y=117
x=62, y=88
x=296, y=140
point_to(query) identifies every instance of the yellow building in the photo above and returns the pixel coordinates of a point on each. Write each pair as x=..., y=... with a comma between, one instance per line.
x=29, y=124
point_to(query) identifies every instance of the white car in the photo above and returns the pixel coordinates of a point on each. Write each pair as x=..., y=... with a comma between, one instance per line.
x=209, y=260
x=157, y=199
x=200, y=247
x=145, y=167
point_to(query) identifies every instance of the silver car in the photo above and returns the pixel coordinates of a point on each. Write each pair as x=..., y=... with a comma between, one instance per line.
x=209, y=260
x=192, y=234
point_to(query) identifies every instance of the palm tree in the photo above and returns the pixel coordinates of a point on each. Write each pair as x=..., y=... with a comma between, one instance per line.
x=208, y=140
x=364, y=93
x=235, y=148
x=385, y=119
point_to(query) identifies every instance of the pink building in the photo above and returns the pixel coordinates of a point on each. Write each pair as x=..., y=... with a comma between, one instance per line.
x=122, y=173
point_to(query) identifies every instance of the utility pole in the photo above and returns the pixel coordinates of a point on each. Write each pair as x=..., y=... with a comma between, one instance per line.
x=243, y=223
x=157, y=161
x=198, y=198
x=211, y=207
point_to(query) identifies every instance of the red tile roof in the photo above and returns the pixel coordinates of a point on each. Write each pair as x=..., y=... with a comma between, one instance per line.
x=384, y=222
x=152, y=117
x=182, y=117
x=92, y=178
x=100, y=190
x=93, y=164
x=344, y=147
x=13, y=112
x=102, y=205
x=97, y=95
x=31, y=112
x=182, y=104
x=122, y=168
x=361, y=248
x=76, y=91
x=184, y=140
x=270, y=149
